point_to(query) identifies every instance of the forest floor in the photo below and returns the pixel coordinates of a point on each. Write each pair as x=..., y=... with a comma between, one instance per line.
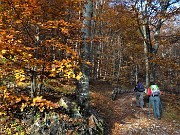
x=122, y=117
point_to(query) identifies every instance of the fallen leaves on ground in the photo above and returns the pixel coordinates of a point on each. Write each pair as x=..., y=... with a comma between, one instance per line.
x=122, y=117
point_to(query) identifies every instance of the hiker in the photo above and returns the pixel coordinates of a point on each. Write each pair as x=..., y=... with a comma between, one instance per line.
x=139, y=89
x=154, y=98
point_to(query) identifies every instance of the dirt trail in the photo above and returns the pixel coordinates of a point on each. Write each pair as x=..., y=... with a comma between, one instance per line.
x=122, y=117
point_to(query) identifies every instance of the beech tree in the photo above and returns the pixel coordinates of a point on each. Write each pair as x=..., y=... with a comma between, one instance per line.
x=85, y=56
x=35, y=41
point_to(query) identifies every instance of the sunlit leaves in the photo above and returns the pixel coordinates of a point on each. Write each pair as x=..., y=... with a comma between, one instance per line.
x=20, y=75
x=23, y=106
x=11, y=101
x=67, y=67
x=78, y=77
x=43, y=103
x=36, y=34
x=4, y=51
x=20, y=34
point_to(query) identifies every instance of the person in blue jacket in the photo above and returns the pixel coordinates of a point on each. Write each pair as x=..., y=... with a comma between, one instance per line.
x=139, y=89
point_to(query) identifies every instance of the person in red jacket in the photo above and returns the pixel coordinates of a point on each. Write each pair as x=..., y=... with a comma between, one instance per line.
x=154, y=97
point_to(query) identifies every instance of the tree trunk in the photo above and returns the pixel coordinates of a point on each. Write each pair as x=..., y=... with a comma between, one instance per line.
x=84, y=81
x=136, y=73
x=155, y=49
x=33, y=83
x=147, y=45
x=34, y=69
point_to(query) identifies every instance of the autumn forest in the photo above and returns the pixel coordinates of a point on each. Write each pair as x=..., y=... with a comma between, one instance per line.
x=62, y=60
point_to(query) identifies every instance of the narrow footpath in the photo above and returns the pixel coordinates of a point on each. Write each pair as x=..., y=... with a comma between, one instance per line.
x=122, y=117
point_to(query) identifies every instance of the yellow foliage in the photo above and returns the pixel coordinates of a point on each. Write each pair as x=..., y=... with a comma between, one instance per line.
x=78, y=77
x=43, y=103
x=37, y=99
x=53, y=74
x=20, y=75
x=3, y=51
x=23, y=106
x=18, y=99
x=6, y=94
x=88, y=63
x=73, y=76
x=18, y=21
x=2, y=113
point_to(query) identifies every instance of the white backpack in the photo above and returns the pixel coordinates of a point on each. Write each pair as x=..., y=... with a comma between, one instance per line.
x=155, y=90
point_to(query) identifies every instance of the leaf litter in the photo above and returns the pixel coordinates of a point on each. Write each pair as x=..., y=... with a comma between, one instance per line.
x=122, y=117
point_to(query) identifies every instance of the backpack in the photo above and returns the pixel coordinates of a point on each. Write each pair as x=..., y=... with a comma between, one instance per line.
x=140, y=87
x=155, y=90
